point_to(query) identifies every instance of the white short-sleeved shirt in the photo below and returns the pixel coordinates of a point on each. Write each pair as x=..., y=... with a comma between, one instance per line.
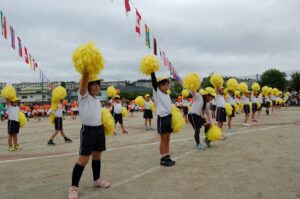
x=162, y=102
x=230, y=100
x=185, y=103
x=198, y=104
x=117, y=108
x=220, y=101
x=245, y=100
x=90, y=110
x=13, y=113
x=59, y=111
x=254, y=99
x=267, y=99
x=147, y=105
x=273, y=97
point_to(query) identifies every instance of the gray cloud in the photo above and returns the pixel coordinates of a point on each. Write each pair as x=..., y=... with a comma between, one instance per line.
x=231, y=37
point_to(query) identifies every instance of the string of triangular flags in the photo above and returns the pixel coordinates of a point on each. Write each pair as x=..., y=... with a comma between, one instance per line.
x=28, y=58
x=148, y=35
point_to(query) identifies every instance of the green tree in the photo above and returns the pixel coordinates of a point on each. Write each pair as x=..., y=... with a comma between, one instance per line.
x=295, y=81
x=206, y=82
x=274, y=78
x=176, y=90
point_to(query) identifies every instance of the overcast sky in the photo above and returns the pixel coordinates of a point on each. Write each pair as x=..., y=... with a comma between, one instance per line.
x=231, y=37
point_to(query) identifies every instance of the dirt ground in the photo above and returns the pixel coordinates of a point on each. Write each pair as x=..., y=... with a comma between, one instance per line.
x=261, y=161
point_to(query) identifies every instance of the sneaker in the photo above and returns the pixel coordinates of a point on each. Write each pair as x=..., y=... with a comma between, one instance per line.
x=166, y=163
x=254, y=120
x=101, y=183
x=18, y=148
x=168, y=157
x=51, y=143
x=73, y=193
x=200, y=147
x=146, y=128
x=11, y=148
x=67, y=140
x=207, y=142
x=151, y=129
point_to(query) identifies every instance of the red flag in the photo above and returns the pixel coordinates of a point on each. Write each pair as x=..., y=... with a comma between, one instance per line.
x=127, y=6
x=154, y=46
x=138, y=22
x=20, y=47
x=26, y=55
x=4, y=27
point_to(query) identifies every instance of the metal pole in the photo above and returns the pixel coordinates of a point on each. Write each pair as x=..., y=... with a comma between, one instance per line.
x=42, y=89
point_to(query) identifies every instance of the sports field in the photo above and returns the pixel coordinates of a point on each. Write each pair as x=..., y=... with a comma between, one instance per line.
x=261, y=161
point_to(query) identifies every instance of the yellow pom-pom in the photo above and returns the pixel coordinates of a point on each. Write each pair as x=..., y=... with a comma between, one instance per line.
x=124, y=111
x=226, y=91
x=232, y=84
x=236, y=108
x=140, y=101
x=243, y=87
x=149, y=64
x=152, y=107
x=107, y=121
x=191, y=82
x=185, y=93
x=250, y=105
x=258, y=104
x=59, y=93
x=255, y=87
x=88, y=59
x=8, y=93
x=178, y=121
x=264, y=90
x=111, y=91
x=270, y=90
x=228, y=109
x=217, y=80
x=169, y=92
x=274, y=91
x=237, y=93
x=52, y=118
x=214, y=133
x=22, y=119
x=54, y=104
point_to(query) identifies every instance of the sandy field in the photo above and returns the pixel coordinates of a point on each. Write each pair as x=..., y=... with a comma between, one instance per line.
x=261, y=161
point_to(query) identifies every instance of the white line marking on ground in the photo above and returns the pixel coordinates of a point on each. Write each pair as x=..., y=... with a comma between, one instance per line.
x=131, y=146
x=153, y=169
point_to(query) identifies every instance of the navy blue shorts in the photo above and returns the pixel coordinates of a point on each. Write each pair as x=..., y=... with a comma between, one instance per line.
x=92, y=138
x=246, y=108
x=58, y=122
x=13, y=127
x=221, y=114
x=148, y=114
x=164, y=124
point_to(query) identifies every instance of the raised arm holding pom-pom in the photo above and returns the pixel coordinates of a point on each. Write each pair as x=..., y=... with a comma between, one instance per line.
x=84, y=84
